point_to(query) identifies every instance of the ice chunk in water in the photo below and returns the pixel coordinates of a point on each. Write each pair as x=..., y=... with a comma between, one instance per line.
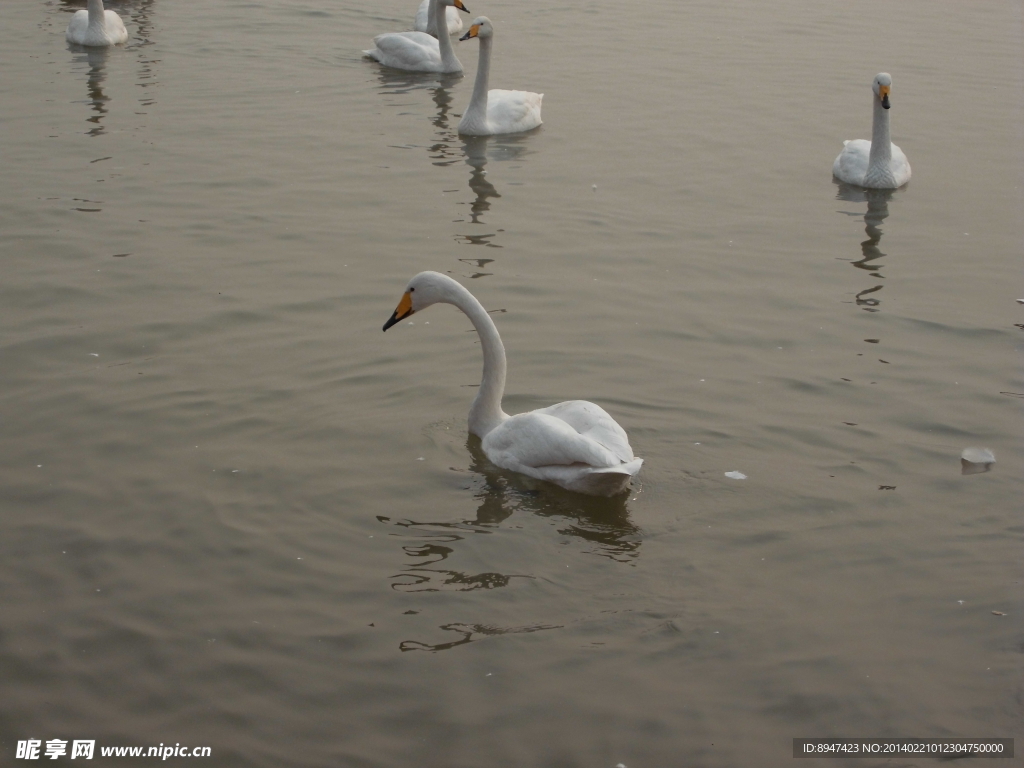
x=974, y=461
x=736, y=475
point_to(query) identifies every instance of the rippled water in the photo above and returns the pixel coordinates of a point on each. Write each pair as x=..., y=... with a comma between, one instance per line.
x=235, y=514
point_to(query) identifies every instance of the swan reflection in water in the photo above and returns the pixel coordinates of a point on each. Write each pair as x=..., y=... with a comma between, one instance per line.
x=96, y=59
x=601, y=526
x=138, y=12
x=877, y=212
x=479, y=151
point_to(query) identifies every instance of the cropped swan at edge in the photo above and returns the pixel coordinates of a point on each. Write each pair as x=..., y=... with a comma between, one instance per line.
x=96, y=27
x=574, y=444
x=424, y=21
x=875, y=164
x=418, y=51
x=496, y=111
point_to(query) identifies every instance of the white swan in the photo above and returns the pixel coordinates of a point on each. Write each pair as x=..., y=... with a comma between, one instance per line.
x=96, y=27
x=418, y=51
x=496, y=111
x=425, y=19
x=877, y=164
x=574, y=444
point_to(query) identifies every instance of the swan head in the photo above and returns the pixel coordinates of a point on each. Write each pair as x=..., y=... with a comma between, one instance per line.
x=425, y=289
x=457, y=3
x=480, y=27
x=881, y=87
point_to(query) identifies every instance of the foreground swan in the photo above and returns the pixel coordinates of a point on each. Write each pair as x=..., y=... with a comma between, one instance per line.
x=96, y=27
x=425, y=19
x=877, y=164
x=497, y=111
x=418, y=51
x=574, y=444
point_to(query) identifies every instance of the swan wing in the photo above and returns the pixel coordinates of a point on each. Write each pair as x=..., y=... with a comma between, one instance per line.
x=900, y=166
x=537, y=439
x=454, y=20
x=851, y=166
x=406, y=50
x=513, y=111
x=77, y=26
x=115, y=27
x=594, y=423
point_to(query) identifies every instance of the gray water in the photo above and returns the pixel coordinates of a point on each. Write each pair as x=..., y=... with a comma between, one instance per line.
x=235, y=514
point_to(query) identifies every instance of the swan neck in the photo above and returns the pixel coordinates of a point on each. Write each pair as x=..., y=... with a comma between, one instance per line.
x=881, y=142
x=95, y=12
x=485, y=413
x=432, y=28
x=444, y=40
x=477, y=109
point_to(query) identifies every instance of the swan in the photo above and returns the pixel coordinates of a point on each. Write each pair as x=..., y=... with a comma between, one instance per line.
x=425, y=19
x=497, y=111
x=418, y=51
x=877, y=164
x=574, y=444
x=96, y=27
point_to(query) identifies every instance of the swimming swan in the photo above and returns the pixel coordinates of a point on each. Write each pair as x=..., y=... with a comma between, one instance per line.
x=876, y=164
x=96, y=27
x=574, y=444
x=497, y=111
x=425, y=19
x=418, y=51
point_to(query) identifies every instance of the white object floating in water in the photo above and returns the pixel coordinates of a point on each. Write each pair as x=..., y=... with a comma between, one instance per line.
x=978, y=456
x=420, y=459
x=735, y=475
x=974, y=461
x=95, y=354
x=1020, y=301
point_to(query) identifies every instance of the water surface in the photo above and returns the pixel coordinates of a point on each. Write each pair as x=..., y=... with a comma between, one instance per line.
x=235, y=514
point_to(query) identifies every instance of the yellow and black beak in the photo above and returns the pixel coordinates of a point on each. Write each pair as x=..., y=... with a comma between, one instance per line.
x=460, y=6
x=402, y=311
x=473, y=32
x=883, y=94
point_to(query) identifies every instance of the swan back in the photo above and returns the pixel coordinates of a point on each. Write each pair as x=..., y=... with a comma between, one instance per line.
x=96, y=27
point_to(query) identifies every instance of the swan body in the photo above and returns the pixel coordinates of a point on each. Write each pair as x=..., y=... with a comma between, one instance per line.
x=425, y=19
x=574, y=444
x=96, y=27
x=496, y=111
x=418, y=51
x=875, y=164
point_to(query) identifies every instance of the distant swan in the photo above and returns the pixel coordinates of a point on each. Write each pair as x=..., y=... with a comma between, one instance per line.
x=425, y=19
x=96, y=27
x=574, y=444
x=497, y=111
x=418, y=51
x=876, y=164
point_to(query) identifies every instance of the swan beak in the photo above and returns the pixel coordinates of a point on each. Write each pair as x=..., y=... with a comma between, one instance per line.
x=473, y=32
x=883, y=93
x=401, y=312
x=458, y=4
